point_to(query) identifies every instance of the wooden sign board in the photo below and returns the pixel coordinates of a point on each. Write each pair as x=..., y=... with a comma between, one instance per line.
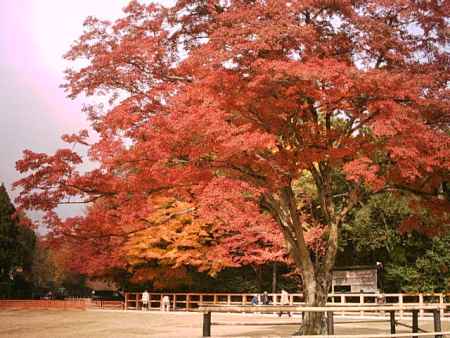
x=355, y=280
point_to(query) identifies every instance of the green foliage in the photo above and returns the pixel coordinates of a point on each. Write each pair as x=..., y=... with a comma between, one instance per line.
x=8, y=235
x=16, y=249
x=45, y=274
x=430, y=271
x=50, y=271
x=374, y=224
x=412, y=261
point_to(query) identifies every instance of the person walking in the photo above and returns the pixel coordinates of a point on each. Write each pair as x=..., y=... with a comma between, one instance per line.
x=145, y=300
x=284, y=301
x=166, y=303
x=265, y=298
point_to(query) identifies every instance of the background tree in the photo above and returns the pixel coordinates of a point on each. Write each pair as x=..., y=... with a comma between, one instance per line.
x=219, y=102
x=412, y=261
x=52, y=271
x=17, y=243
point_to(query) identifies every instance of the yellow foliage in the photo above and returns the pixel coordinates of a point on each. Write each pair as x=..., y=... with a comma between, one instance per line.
x=175, y=237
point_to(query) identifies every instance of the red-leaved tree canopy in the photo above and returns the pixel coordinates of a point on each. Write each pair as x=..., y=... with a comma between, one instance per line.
x=301, y=108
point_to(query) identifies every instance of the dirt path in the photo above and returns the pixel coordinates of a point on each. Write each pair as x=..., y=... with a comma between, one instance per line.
x=133, y=324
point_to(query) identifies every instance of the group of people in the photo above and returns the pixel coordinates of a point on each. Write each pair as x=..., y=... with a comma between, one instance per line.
x=264, y=300
x=257, y=299
x=261, y=299
x=165, y=303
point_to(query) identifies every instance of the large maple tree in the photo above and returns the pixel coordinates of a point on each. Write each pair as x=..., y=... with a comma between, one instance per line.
x=301, y=107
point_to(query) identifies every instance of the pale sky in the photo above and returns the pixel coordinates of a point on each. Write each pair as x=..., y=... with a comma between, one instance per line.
x=34, y=112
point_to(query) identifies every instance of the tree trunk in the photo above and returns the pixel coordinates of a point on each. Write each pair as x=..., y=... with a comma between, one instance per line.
x=274, y=278
x=315, y=291
x=258, y=275
x=316, y=271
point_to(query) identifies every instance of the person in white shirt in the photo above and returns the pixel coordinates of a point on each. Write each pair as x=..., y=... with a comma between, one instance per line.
x=284, y=301
x=166, y=303
x=145, y=300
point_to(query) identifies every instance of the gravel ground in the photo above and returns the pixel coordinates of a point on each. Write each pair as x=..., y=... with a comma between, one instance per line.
x=135, y=324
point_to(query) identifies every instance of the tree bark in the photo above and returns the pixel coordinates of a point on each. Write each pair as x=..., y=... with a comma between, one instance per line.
x=274, y=278
x=315, y=291
x=316, y=286
x=317, y=272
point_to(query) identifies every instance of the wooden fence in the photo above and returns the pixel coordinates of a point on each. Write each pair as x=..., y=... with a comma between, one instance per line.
x=332, y=309
x=22, y=304
x=192, y=301
x=107, y=304
x=68, y=303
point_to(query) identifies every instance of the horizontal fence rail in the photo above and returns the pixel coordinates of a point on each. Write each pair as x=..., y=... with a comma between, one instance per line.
x=383, y=335
x=68, y=303
x=25, y=304
x=192, y=301
x=332, y=308
x=330, y=311
x=107, y=304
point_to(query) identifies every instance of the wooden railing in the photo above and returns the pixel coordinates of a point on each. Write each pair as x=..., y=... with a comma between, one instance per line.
x=26, y=304
x=107, y=304
x=329, y=312
x=192, y=301
x=68, y=303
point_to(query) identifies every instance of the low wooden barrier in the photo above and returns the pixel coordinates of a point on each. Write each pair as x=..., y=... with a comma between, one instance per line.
x=378, y=335
x=331, y=310
x=42, y=304
x=192, y=301
x=107, y=304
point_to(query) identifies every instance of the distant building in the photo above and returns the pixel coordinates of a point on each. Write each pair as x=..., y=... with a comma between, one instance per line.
x=361, y=278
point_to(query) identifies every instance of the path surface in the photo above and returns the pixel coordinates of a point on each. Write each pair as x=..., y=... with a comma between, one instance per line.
x=134, y=324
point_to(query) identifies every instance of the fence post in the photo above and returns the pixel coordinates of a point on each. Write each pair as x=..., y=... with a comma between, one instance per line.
x=343, y=301
x=441, y=303
x=330, y=323
x=207, y=324
x=437, y=322
x=415, y=322
x=400, y=302
x=174, y=302
x=126, y=301
x=392, y=319
x=422, y=312
x=361, y=302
